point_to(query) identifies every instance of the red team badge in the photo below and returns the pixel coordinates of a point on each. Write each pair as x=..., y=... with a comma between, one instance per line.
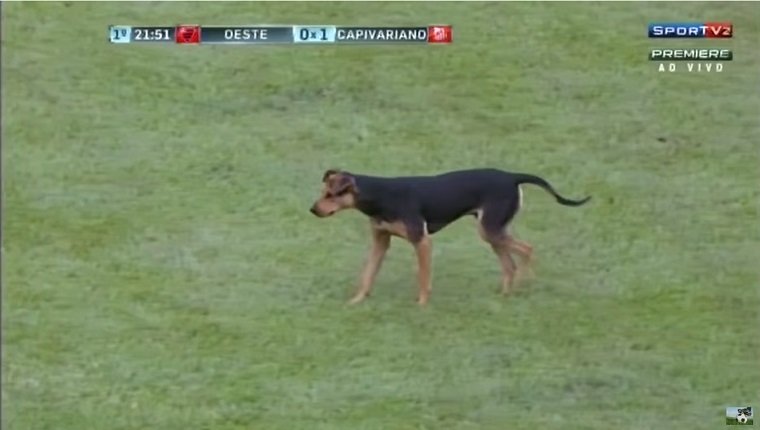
x=188, y=34
x=439, y=34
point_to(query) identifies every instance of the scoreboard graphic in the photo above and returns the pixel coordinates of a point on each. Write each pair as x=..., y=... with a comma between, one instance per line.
x=280, y=34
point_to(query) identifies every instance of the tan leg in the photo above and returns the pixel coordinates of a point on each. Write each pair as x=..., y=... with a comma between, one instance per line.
x=502, y=250
x=502, y=245
x=424, y=250
x=381, y=241
x=525, y=251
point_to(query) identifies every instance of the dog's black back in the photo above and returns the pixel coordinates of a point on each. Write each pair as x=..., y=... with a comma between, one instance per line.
x=442, y=199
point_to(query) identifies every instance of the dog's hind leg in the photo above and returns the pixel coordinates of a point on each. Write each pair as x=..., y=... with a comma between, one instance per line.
x=500, y=246
x=525, y=251
x=423, y=249
x=493, y=220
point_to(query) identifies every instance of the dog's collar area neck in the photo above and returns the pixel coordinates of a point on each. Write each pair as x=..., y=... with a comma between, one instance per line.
x=367, y=207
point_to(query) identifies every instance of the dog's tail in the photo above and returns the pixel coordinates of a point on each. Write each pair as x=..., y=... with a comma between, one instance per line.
x=523, y=178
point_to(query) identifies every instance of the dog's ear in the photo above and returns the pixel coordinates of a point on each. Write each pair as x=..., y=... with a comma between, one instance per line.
x=328, y=173
x=347, y=184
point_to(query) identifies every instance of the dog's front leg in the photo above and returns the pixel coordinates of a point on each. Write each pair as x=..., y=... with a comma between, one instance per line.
x=381, y=241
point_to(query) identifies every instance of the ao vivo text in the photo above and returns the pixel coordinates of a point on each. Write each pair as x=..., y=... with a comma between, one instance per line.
x=713, y=30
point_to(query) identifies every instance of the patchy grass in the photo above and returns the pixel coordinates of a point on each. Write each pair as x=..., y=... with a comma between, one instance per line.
x=161, y=269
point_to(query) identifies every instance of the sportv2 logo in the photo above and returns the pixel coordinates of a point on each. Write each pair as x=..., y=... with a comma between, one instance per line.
x=716, y=30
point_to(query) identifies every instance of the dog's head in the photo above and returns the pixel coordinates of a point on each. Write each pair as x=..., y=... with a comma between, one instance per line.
x=339, y=192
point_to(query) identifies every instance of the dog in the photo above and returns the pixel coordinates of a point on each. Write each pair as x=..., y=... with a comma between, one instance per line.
x=743, y=414
x=416, y=207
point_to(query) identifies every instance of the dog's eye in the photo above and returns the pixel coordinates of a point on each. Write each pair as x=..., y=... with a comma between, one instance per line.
x=342, y=192
x=328, y=196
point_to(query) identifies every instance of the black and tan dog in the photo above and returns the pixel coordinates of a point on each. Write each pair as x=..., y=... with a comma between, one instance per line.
x=415, y=207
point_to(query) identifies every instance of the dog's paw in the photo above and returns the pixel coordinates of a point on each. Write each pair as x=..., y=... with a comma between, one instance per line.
x=357, y=299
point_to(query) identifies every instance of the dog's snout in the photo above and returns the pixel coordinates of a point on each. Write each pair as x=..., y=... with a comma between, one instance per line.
x=312, y=210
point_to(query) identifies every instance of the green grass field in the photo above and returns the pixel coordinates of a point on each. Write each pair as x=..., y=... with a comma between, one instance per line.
x=161, y=270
